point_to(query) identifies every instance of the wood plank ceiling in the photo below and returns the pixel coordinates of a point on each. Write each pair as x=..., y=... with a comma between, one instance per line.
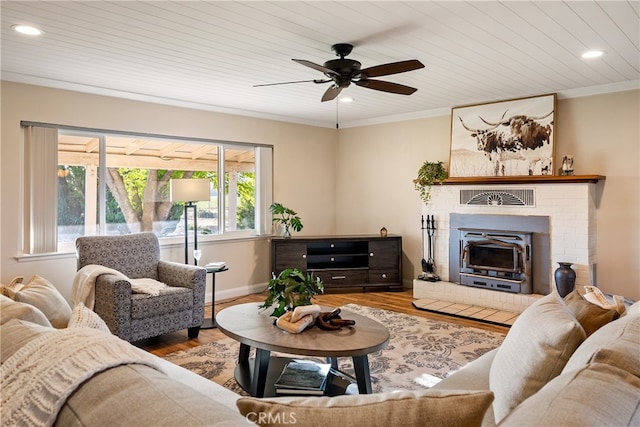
x=209, y=55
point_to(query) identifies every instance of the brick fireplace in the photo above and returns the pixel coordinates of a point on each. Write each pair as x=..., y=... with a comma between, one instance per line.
x=568, y=202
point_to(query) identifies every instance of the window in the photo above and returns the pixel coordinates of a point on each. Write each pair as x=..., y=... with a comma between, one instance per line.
x=115, y=183
x=240, y=187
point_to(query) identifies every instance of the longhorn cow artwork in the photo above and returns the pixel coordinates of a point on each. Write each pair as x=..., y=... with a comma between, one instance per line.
x=506, y=138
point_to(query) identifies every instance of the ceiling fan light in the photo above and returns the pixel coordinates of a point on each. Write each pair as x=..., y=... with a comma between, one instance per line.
x=26, y=29
x=592, y=54
x=342, y=72
x=346, y=99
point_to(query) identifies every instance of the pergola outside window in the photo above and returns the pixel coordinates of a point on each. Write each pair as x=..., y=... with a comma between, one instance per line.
x=110, y=184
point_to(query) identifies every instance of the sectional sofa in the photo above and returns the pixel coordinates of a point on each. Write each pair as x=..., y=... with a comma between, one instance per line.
x=547, y=372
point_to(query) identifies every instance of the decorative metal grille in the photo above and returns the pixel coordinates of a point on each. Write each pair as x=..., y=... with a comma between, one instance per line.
x=494, y=197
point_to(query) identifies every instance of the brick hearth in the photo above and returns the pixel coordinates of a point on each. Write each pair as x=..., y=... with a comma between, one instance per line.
x=465, y=301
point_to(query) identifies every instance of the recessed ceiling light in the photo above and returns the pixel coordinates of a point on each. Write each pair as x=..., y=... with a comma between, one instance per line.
x=592, y=54
x=346, y=99
x=27, y=29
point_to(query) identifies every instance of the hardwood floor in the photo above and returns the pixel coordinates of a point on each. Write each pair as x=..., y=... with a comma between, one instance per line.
x=394, y=301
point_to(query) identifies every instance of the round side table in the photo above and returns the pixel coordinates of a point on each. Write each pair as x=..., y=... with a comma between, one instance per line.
x=211, y=323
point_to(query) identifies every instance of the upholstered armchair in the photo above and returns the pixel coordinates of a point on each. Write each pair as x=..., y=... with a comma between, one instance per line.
x=135, y=316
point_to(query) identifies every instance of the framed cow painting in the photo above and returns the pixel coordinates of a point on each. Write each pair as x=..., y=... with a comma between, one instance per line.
x=503, y=138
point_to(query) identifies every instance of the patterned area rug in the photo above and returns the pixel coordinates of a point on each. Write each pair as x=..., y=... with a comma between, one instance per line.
x=420, y=352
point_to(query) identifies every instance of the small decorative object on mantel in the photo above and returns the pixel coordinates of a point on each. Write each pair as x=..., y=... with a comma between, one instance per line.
x=291, y=288
x=429, y=173
x=567, y=165
x=287, y=217
x=383, y=232
x=565, y=279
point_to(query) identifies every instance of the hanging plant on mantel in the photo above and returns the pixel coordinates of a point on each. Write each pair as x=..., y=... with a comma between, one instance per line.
x=429, y=174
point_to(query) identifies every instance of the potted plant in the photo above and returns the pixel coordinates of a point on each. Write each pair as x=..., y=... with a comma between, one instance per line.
x=287, y=217
x=291, y=288
x=429, y=174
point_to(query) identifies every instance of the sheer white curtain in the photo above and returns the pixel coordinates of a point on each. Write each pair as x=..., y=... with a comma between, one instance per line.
x=41, y=189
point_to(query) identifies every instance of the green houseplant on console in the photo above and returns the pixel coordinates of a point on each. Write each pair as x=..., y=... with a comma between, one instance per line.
x=429, y=174
x=287, y=217
x=291, y=288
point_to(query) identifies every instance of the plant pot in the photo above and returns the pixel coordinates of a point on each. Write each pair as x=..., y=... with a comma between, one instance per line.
x=286, y=232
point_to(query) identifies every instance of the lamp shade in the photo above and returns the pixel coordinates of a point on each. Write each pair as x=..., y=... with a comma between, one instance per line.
x=190, y=190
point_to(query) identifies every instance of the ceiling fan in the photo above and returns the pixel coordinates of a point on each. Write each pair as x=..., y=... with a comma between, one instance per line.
x=342, y=72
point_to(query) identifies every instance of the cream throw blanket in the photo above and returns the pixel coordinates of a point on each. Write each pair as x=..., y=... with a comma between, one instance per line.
x=39, y=377
x=84, y=284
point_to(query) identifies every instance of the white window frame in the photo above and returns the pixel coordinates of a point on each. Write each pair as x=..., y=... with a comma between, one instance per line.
x=40, y=189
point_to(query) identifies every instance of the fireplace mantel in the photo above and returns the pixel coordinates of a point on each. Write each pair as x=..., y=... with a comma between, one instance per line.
x=542, y=179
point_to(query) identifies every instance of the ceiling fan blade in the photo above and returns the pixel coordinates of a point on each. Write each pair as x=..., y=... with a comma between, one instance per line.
x=386, y=86
x=297, y=81
x=315, y=66
x=331, y=93
x=392, y=68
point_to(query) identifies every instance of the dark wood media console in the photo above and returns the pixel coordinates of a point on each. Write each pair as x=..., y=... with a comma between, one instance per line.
x=343, y=261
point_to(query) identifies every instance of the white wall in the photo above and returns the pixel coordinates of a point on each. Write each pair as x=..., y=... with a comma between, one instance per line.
x=304, y=174
x=376, y=166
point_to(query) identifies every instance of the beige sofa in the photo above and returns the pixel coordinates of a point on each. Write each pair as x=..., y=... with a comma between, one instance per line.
x=126, y=386
x=547, y=372
x=142, y=389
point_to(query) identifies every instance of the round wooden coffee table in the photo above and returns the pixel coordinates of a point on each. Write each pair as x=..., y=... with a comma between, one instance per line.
x=253, y=327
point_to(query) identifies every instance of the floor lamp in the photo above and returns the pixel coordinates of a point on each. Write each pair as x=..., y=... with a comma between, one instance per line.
x=190, y=191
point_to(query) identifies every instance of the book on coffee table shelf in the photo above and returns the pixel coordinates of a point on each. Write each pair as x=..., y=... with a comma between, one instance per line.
x=303, y=377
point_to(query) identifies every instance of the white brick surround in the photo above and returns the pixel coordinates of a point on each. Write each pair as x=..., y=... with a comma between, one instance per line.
x=571, y=208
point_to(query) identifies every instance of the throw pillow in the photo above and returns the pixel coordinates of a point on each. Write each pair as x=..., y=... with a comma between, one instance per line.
x=591, y=316
x=10, y=309
x=405, y=408
x=596, y=395
x=16, y=333
x=83, y=317
x=616, y=343
x=41, y=293
x=535, y=350
x=13, y=287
